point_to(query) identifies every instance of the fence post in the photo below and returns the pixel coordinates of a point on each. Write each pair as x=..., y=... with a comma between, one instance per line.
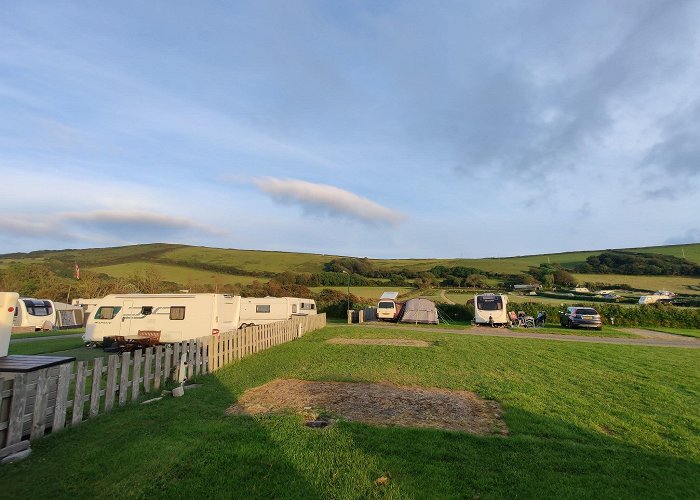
x=40, y=400
x=59, y=409
x=79, y=393
x=156, y=374
x=167, y=363
x=136, y=375
x=124, y=378
x=111, y=381
x=19, y=401
x=147, y=370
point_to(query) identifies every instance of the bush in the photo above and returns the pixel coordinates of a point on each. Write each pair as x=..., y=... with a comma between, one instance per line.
x=456, y=312
x=650, y=315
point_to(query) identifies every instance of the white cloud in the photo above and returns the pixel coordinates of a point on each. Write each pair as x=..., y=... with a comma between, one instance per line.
x=329, y=199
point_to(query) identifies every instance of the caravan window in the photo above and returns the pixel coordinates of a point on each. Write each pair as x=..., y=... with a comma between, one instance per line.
x=146, y=310
x=493, y=303
x=308, y=305
x=294, y=308
x=107, y=312
x=38, y=307
x=177, y=312
x=262, y=309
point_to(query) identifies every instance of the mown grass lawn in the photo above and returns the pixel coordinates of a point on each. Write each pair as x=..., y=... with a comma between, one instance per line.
x=686, y=332
x=46, y=346
x=585, y=420
x=50, y=333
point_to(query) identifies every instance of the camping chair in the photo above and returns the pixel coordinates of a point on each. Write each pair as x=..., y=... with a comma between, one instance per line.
x=513, y=318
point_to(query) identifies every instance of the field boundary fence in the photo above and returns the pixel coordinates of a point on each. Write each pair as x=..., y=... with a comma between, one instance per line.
x=48, y=400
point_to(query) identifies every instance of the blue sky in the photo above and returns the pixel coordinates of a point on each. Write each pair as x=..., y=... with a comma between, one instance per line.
x=380, y=129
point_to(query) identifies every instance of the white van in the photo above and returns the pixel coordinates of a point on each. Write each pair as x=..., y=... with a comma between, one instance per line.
x=260, y=311
x=491, y=309
x=177, y=317
x=34, y=313
x=388, y=309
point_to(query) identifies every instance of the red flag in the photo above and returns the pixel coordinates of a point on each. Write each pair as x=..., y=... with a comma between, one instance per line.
x=77, y=272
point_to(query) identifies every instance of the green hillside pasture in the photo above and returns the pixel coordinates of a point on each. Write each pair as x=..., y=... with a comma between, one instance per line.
x=504, y=265
x=6, y=262
x=178, y=274
x=369, y=292
x=677, y=284
x=584, y=421
x=255, y=260
x=252, y=260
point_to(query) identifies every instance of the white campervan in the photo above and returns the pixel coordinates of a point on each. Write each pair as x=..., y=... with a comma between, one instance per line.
x=34, y=313
x=387, y=308
x=177, y=317
x=491, y=309
x=260, y=311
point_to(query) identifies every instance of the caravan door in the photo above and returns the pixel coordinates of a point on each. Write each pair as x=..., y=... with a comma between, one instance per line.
x=127, y=315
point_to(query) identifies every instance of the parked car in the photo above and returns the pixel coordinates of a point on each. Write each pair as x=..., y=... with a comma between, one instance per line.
x=584, y=317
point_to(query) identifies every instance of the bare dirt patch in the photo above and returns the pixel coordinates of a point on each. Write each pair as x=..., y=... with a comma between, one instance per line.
x=394, y=342
x=377, y=404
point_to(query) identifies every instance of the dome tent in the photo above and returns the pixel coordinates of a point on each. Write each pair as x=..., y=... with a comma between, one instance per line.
x=420, y=311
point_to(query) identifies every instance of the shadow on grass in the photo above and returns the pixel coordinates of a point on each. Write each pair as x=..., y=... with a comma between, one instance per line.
x=189, y=447
x=182, y=448
x=560, y=460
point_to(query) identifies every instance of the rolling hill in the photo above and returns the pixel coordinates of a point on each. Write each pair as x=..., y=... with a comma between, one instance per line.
x=183, y=264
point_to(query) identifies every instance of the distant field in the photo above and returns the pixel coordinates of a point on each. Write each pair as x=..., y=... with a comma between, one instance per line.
x=462, y=298
x=252, y=260
x=256, y=260
x=178, y=274
x=677, y=284
x=370, y=292
x=6, y=262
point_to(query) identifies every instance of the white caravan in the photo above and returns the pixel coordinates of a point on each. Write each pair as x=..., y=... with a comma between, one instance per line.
x=89, y=307
x=491, y=309
x=177, y=317
x=180, y=317
x=8, y=304
x=260, y=311
x=34, y=313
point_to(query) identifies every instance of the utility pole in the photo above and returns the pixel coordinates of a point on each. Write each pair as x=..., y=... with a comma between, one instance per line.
x=345, y=272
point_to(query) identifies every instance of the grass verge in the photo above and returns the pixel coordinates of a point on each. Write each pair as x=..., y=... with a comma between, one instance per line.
x=51, y=333
x=686, y=332
x=48, y=346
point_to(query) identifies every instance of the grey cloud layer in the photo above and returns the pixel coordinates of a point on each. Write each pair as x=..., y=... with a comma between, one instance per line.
x=327, y=199
x=102, y=225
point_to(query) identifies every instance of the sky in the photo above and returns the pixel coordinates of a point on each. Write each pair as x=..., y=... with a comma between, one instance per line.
x=365, y=128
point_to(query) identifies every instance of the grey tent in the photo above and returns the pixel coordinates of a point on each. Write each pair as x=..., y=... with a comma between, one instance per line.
x=420, y=311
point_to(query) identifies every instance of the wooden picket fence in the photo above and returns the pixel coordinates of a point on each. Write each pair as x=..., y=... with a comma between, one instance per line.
x=32, y=404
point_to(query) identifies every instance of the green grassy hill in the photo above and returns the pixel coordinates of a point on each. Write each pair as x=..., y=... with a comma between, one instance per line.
x=183, y=264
